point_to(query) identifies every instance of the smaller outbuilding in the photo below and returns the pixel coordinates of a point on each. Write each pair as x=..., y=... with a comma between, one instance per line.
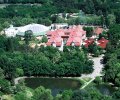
x=98, y=31
x=103, y=42
x=88, y=42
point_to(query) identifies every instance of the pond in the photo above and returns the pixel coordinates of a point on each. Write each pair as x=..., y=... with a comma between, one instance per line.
x=57, y=85
x=106, y=89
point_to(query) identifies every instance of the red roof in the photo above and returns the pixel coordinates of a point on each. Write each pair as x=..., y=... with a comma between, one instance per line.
x=68, y=44
x=89, y=42
x=75, y=40
x=48, y=43
x=50, y=32
x=77, y=44
x=73, y=34
x=56, y=40
x=69, y=41
x=103, y=43
x=58, y=44
x=98, y=30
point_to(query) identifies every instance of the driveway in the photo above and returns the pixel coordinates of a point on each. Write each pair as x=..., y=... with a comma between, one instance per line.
x=98, y=66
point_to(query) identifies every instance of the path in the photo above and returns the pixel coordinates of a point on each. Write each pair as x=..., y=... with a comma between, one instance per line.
x=16, y=80
x=97, y=70
x=87, y=83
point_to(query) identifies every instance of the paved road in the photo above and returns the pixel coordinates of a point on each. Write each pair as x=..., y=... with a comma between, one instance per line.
x=97, y=68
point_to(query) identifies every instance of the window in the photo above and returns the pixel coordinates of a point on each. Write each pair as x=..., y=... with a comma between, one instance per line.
x=67, y=33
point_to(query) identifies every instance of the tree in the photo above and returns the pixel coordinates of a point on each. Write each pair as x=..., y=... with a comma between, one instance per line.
x=81, y=95
x=24, y=95
x=89, y=93
x=9, y=44
x=2, y=42
x=66, y=95
x=116, y=95
x=44, y=39
x=58, y=97
x=98, y=80
x=96, y=95
x=56, y=57
x=28, y=36
x=112, y=66
x=4, y=86
x=114, y=35
x=19, y=72
x=92, y=48
x=89, y=31
x=103, y=34
x=60, y=20
x=71, y=21
x=27, y=20
x=89, y=8
x=6, y=24
x=1, y=74
x=117, y=15
x=77, y=21
x=111, y=19
x=41, y=93
x=47, y=22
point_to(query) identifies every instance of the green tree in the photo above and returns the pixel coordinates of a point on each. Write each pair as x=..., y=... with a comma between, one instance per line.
x=71, y=21
x=28, y=36
x=44, y=39
x=24, y=95
x=66, y=95
x=116, y=95
x=60, y=20
x=98, y=80
x=111, y=19
x=114, y=35
x=4, y=86
x=89, y=8
x=81, y=95
x=2, y=42
x=89, y=31
x=19, y=72
x=1, y=74
x=6, y=24
x=42, y=94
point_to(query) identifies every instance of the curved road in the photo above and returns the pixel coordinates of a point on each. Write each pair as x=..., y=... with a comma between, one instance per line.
x=98, y=66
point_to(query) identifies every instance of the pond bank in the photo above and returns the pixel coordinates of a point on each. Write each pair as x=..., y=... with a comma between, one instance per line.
x=98, y=66
x=16, y=80
x=56, y=85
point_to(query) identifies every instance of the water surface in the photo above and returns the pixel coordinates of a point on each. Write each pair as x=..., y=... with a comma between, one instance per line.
x=57, y=85
x=106, y=89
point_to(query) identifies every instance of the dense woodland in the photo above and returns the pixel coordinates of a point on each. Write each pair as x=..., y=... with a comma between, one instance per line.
x=46, y=61
x=108, y=12
x=19, y=59
x=112, y=57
